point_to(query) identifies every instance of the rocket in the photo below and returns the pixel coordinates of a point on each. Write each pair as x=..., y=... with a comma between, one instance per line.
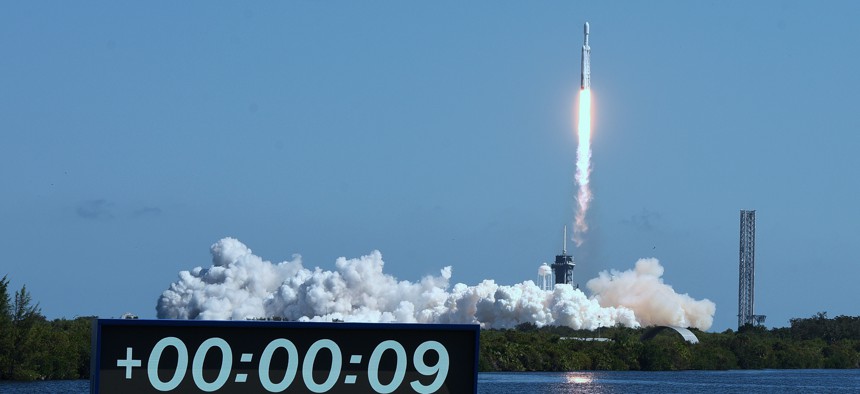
x=585, y=76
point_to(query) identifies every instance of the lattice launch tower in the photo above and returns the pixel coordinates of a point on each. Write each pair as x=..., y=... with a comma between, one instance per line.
x=746, y=272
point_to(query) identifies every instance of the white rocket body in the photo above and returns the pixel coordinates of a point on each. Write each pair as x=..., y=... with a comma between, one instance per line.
x=585, y=76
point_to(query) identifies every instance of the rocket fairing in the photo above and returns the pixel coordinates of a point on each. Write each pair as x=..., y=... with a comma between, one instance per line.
x=585, y=76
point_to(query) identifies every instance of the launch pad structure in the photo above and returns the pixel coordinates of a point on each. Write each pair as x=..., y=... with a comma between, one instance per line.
x=746, y=272
x=563, y=265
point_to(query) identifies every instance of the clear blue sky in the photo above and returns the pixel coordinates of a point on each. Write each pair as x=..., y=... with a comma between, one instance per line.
x=134, y=135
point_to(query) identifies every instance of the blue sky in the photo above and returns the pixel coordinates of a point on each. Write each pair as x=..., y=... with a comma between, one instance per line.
x=135, y=135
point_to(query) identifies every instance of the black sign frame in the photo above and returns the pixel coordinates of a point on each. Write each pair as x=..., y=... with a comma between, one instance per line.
x=231, y=356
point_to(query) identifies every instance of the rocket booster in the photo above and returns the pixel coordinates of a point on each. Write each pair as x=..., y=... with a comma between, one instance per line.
x=585, y=76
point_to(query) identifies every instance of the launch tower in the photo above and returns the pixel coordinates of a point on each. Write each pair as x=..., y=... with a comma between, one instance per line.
x=746, y=282
x=563, y=266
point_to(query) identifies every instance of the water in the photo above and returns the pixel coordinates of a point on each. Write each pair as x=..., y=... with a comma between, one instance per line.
x=50, y=386
x=767, y=381
x=746, y=382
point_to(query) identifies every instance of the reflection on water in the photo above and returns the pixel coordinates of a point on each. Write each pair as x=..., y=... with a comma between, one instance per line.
x=740, y=382
x=600, y=382
x=578, y=377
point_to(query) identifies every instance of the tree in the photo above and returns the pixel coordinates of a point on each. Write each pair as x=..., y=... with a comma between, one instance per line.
x=26, y=336
x=752, y=351
x=5, y=327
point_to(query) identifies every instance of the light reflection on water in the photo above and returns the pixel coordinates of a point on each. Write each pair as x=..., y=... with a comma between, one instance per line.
x=578, y=377
x=601, y=382
x=740, y=382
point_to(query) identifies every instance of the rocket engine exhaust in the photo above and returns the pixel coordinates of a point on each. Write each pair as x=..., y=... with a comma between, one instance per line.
x=583, y=150
x=240, y=285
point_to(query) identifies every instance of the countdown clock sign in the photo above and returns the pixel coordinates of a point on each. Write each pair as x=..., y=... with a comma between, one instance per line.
x=194, y=356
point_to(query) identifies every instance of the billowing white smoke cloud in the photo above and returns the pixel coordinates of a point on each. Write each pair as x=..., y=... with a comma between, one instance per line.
x=655, y=302
x=241, y=285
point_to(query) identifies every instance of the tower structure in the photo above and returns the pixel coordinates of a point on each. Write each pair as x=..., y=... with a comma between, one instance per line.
x=545, y=279
x=746, y=272
x=563, y=266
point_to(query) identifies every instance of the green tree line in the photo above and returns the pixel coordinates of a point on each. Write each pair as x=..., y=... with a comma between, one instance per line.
x=31, y=347
x=810, y=343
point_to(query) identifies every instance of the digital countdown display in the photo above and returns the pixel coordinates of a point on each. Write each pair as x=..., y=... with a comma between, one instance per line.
x=200, y=356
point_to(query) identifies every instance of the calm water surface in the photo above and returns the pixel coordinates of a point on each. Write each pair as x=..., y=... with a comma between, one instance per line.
x=768, y=381
x=746, y=382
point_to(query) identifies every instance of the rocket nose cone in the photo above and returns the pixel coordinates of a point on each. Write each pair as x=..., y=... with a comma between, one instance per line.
x=586, y=28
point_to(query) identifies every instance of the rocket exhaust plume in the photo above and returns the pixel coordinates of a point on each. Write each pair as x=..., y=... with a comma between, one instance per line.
x=240, y=285
x=583, y=150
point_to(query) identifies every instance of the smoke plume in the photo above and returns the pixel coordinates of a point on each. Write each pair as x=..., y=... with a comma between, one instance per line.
x=655, y=302
x=241, y=285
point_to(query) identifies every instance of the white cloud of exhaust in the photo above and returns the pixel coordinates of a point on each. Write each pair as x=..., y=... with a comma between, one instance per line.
x=241, y=285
